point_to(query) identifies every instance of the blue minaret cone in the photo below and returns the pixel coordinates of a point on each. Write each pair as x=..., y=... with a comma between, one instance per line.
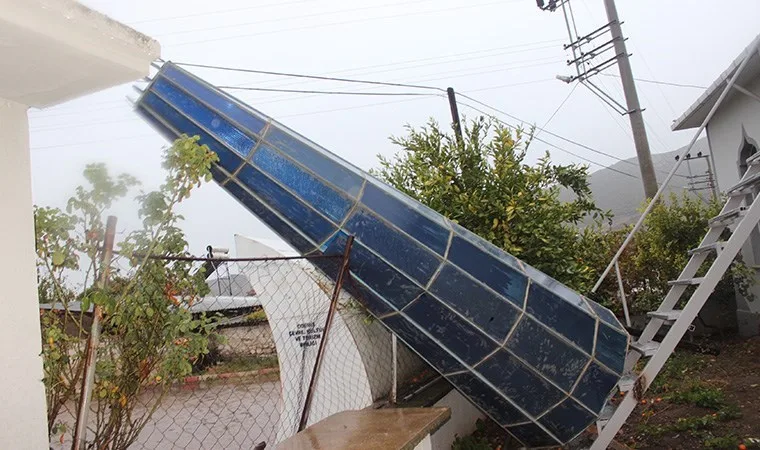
x=537, y=357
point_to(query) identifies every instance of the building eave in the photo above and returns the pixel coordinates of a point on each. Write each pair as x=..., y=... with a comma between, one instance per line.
x=697, y=112
x=57, y=50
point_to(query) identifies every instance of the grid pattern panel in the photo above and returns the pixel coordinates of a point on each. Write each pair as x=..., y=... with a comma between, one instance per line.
x=472, y=311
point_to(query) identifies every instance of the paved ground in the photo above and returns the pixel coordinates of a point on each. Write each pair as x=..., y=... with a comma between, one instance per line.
x=220, y=416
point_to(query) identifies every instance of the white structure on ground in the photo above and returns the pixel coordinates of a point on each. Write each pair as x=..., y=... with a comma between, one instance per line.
x=51, y=51
x=296, y=307
x=733, y=135
x=356, y=370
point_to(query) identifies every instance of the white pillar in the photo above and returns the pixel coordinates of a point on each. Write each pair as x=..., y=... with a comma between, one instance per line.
x=22, y=395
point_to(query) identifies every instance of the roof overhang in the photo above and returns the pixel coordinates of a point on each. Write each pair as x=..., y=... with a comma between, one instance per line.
x=696, y=114
x=57, y=50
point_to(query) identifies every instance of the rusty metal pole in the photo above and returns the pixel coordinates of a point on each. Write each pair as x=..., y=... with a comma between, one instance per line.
x=328, y=322
x=394, y=373
x=80, y=433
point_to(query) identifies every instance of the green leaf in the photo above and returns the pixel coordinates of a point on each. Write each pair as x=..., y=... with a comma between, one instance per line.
x=58, y=258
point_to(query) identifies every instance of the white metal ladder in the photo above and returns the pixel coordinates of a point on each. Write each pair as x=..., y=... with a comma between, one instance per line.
x=744, y=218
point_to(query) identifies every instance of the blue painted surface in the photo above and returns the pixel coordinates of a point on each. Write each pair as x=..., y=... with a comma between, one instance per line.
x=211, y=122
x=319, y=196
x=489, y=311
x=567, y=420
x=537, y=357
x=548, y=353
x=594, y=387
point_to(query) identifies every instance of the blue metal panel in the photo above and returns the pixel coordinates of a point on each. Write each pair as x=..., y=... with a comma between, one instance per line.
x=408, y=218
x=552, y=356
x=455, y=333
x=534, y=355
x=316, y=193
x=595, y=386
x=525, y=387
x=496, y=406
x=489, y=311
x=610, y=347
x=245, y=117
x=532, y=435
x=496, y=274
x=304, y=218
x=567, y=420
x=327, y=168
x=433, y=353
x=227, y=159
x=399, y=250
x=569, y=321
x=213, y=123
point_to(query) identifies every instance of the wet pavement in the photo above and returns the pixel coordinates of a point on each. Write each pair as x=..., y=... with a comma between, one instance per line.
x=225, y=415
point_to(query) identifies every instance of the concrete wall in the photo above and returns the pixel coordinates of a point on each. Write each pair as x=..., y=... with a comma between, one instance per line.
x=738, y=122
x=462, y=423
x=23, y=412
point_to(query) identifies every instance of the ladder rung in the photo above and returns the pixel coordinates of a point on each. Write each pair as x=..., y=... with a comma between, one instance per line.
x=754, y=159
x=716, y=246
x=727, y=217
x=627, y=382
x=745, y=185
x=667, y=316
x=686, y=282
x=646, y=349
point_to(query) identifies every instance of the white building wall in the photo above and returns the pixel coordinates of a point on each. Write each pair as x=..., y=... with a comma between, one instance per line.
x=737, y=122
x=725, y=132
x=23, y=411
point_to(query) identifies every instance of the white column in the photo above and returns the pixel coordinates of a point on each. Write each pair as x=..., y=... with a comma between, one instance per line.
x=22, y=394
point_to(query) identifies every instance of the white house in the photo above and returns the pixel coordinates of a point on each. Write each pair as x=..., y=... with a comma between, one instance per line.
x=51, y=51
x=733, y=134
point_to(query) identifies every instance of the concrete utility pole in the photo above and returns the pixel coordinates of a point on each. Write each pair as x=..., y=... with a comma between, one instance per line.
x=632, y=102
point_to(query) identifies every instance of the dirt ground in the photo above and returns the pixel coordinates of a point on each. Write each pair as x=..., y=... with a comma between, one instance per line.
x=701, y=401
x=698, y=401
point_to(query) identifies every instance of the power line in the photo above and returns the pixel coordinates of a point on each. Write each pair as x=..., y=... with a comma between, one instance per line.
x=550, y=144
x=546, y=131
x=314, y=77
x=42, y=114
x=285, y=19
x=301, y=91
x=212, y=13
x=357, y=106
x=457, y=60
x=558, y=108
x=369, y=19
x=663, y=83
x=549, y=132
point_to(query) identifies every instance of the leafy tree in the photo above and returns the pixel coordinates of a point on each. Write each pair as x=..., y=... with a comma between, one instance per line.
x=659, y=251
x=149, y=336
x=486, y=186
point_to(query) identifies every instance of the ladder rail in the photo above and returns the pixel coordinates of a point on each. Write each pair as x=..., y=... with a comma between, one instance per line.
x=753, y=47
x=689, y=271
x=681, y=325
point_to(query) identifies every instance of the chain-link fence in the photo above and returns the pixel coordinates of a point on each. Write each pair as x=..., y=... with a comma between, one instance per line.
x=223, y=354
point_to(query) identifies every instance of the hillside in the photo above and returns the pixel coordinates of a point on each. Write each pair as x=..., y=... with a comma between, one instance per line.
x=623, y=195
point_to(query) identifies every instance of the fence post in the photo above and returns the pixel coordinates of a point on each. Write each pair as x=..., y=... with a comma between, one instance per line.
x=80, y=433
x=328, y=322
x=394, y=382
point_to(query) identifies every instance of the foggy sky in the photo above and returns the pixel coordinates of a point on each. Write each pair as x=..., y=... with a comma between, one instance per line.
x=473, y=46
